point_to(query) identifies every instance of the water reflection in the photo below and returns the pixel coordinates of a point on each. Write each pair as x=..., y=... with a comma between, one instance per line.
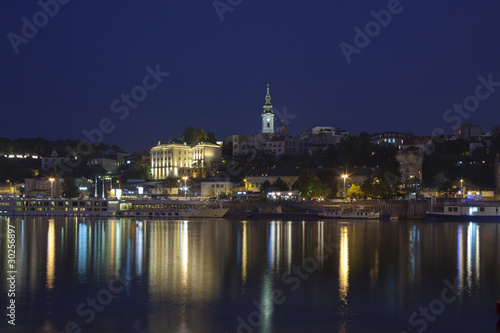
x=344, y=264
x=51, y=250
x=199, y=276
x=469, y=264
x=413, y=251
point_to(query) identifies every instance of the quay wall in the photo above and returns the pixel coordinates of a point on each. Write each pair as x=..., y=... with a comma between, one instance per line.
x=403, y=209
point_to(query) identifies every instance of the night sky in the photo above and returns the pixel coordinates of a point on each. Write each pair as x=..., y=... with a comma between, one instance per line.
x=64, y=78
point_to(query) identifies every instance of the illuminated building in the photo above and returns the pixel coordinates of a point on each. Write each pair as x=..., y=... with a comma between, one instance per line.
x=180, y=159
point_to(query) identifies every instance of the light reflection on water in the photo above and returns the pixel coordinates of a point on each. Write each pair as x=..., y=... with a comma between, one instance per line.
x=201, y=275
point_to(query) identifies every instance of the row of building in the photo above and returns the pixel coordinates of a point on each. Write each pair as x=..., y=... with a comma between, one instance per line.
x=199, y=161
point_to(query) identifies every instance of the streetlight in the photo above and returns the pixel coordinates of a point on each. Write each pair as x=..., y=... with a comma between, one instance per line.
x=345, y=176
x=51, y=187
x=462, y=187
x=185, y=186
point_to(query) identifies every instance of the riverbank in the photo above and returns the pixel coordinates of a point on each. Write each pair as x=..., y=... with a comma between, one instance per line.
x=403, y=209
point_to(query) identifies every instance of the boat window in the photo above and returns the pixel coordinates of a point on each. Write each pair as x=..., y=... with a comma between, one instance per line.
x=455, y=209
x=481, y=209
x=450, y=209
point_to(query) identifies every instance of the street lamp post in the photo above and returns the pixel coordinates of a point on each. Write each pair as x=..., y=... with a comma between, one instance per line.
x=51, y=187
x=462, y=187
x=345, y=176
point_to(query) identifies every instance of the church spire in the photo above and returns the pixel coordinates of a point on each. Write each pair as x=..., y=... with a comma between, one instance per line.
x=268, y=115
x=268, y=108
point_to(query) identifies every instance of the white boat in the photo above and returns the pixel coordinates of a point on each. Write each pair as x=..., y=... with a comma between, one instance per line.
x=58, y=207
x=109, y=208
x=467, y=211
x=170, y=209
x=349, y=212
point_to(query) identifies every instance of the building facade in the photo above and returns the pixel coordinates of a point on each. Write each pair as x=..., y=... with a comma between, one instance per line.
x=256, y=177
x=43, y=187
x=181, y=159
x=107, y=161
x=410, y=168
x=55, y=160
x=215, y=187
x=390, y=138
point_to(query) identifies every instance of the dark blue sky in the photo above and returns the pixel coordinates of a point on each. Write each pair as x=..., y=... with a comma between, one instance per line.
x=65, y=78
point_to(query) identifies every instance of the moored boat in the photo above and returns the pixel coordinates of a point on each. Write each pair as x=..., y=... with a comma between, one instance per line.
x=63, y=207
x=349, y=212
x=467, y=211
x=170, y=209
x=110, y=208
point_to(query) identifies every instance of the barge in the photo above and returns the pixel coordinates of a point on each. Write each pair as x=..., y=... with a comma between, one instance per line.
x=154, y=208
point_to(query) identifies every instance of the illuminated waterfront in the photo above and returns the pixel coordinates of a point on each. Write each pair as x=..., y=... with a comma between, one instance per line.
x=219, y=275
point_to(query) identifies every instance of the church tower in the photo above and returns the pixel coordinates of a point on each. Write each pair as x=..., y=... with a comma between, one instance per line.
x=268, y=115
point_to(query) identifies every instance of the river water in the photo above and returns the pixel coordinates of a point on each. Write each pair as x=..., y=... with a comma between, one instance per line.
x=220, y=275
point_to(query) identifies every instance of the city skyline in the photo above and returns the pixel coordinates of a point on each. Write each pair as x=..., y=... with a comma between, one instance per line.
x=207, y=66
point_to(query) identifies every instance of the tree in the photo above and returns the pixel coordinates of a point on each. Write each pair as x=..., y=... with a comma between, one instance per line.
x=355, y=192
x=265, y=186
x=192, y=134
x=310, y=186
x=138, y=172
x=279, y=185
x=69, y=188
x=328, y=178
x=377, y=188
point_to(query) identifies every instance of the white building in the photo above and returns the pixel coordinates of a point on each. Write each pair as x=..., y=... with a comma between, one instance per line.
x=181, y=159
x=216, y=187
